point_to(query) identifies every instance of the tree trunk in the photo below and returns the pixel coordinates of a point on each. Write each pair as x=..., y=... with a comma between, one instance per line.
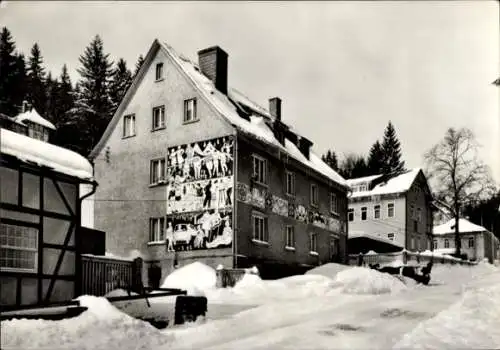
x=457, y=236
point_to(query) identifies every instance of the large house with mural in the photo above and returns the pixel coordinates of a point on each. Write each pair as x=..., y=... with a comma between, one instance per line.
x=393, y=208
x=193, y=170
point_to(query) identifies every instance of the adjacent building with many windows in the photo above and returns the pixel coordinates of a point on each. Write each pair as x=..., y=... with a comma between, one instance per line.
x=397, y=208
x=193, y=170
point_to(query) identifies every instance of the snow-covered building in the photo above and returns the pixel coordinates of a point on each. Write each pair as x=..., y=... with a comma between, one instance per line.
x=189, y=160
x=40, y=203
x=37, y=127
x=395, y=207
x=476, y=241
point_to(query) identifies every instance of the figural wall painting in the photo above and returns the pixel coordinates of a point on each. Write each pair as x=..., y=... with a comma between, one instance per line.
x=200, y=195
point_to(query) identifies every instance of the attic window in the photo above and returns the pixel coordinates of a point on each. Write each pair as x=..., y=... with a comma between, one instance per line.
x=159, y=71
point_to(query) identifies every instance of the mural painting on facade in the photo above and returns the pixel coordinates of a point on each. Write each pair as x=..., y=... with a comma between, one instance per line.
x=280, y=206
x=249, y=195
x=300, y=213
x=318, y=219
x=200, y=195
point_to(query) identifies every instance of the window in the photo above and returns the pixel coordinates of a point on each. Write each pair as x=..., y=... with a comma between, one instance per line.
x=259, y=169
x=159, y=71
x=158, y=117
x=156, y=229
x=157, y=172
x=412, y=211
x=333, y=203
x=390, y=236
x=290, y=237
x=415, y=225
x=471, y=242
x=260, y=228
x=376, y=211
x=446, y=243
x=363, y=213
x=18, y=247
x=129, y=125
x=313, y=242
x=390, y=210
x=350, y=214
x=412, y=243
x=290, y=183
x=435, y=244
x=419, y=214
x=38, y=132
x=190, y=110
x=314, y=194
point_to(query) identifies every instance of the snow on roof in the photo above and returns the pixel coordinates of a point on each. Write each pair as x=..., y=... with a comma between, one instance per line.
x=464, y=226
x=256, y=126
x=396, y=184
x=42, y=153
x=360, y=180
x=361, y=234
x=33, y=116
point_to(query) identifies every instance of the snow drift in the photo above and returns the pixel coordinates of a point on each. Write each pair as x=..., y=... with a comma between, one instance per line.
x=360, y=280
x=195, y=278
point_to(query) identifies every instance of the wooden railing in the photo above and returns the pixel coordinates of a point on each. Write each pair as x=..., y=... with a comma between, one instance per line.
x=101, y=274
x=405, y=257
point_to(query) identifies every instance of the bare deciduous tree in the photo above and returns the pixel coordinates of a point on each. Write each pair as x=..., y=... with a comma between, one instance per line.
x=457, y=175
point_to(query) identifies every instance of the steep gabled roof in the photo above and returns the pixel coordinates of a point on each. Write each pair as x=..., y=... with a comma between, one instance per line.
x=395, y=184
x=228, y=107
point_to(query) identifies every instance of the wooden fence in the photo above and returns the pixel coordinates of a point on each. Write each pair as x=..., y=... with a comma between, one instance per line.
x=101, y=274
x=406, y=257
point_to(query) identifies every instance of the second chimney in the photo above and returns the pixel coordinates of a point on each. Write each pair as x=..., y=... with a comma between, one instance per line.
x=213, y=64
x=275, y=107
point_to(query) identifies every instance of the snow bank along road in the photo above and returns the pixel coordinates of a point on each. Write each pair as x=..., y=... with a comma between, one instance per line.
x=337, y=308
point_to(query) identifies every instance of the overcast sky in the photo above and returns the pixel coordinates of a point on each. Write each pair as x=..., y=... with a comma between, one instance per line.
x=342, y=69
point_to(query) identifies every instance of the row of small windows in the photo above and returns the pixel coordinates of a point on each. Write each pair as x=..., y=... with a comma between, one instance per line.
x=470, y=243
x=261, y=234
x=259, y=175
x=376, y=212
x=158, y=118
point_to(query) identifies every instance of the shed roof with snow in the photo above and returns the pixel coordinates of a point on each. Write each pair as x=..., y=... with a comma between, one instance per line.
x=30, y=150
x=395, y=184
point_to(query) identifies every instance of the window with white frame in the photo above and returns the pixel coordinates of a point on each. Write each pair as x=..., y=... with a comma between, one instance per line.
x=376, y=211
x=390, y=210
x=435, y=243
x=260, y=228
x=390, y=236
x=314, y=194
x=159, y=71
x=290, y=183
x=334, y=204
x=18, y=247
x=156, y=229
x=412, y=243
x=190, y=110
x=157, y=171
x=446, y=243
x=158, y=117
x=129, y=125
x=313, y=242
x=363, y=213
x=471, y=242
x=259, y=169
x=350, y=214
x=290, y=237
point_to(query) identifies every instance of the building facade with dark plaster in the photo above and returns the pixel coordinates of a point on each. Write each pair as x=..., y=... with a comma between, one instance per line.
x=192, y=170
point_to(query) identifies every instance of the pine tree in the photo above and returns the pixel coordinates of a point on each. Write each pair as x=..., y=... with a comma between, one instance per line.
x=138, y=65
x=36, y=80
x=353, y=166
x=376, y=159
x=330, y=158
x=51, y=87
x=12, y=75
x=121, y=80
x=93, y=105
x=392, y=151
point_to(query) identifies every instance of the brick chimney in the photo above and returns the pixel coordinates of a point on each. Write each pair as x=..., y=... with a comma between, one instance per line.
x=213, y=64
x=275, y=107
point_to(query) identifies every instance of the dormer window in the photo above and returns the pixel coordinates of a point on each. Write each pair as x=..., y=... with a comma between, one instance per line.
x=38, y=132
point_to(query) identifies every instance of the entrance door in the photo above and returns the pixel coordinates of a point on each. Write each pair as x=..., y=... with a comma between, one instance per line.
x=334, y=249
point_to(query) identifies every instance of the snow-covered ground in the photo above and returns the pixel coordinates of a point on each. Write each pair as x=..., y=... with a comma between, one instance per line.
x=331, y=307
